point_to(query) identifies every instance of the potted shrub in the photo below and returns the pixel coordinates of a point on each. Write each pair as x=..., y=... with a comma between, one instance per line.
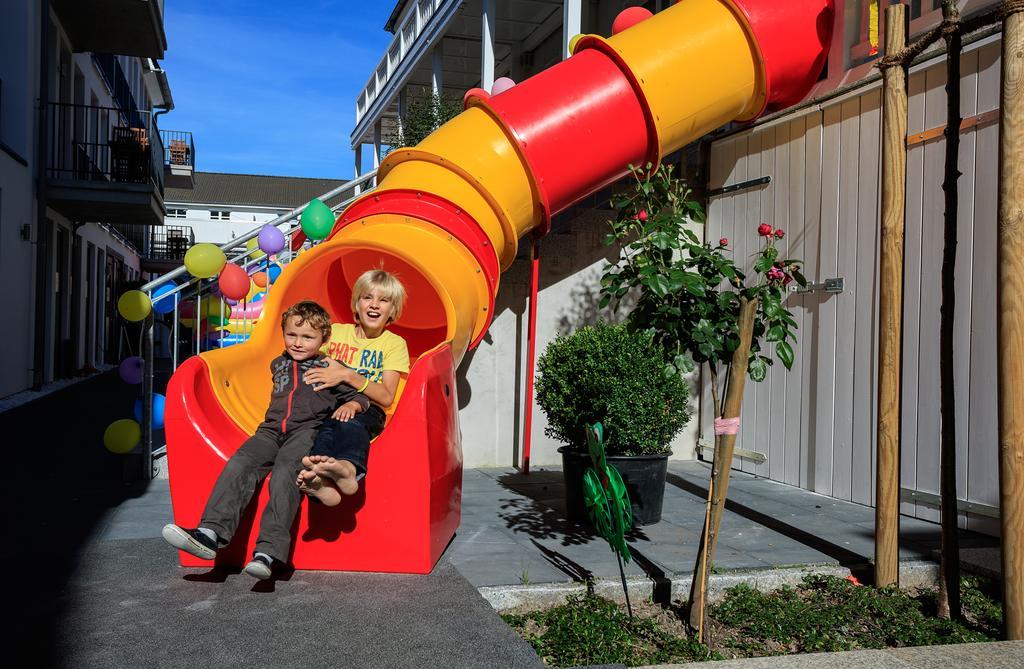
x=617, y=376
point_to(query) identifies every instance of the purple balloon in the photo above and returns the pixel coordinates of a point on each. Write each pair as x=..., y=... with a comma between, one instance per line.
x=230, y=302
x=271, y=239
x=501, y=84
x=131, y=370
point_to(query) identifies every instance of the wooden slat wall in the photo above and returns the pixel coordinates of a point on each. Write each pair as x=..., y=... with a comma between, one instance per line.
x=816, y=423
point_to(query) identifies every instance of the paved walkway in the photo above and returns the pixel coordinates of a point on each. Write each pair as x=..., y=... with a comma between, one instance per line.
x=92, y=584
x=513, y=530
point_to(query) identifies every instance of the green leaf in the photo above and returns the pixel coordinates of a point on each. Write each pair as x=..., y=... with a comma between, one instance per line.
x=763, y=264
x=757, y=370
x=785, y=353
x=799, y=278
x=776, y=333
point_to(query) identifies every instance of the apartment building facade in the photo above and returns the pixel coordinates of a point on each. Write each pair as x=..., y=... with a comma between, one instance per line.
x=82, y=165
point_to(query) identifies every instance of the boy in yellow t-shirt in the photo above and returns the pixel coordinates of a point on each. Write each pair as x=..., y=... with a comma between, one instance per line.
x=371, y=360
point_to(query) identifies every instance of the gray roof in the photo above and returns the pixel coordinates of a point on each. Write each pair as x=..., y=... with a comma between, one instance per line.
x=253, y=189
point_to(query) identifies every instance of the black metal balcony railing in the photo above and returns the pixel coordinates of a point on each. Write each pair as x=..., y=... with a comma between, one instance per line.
x=179, y=150
x=169, y=242
x=104, y=144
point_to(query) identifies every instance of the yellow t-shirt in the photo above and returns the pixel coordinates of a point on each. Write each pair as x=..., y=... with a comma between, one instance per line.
x=369, y=357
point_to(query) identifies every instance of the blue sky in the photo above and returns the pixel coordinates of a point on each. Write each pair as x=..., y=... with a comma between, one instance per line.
x=270, y=87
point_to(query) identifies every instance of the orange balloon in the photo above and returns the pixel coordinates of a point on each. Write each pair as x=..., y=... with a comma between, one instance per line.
x=260, y=279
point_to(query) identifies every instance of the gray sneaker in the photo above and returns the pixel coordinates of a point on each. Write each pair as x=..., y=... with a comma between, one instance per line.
x=192, y=541
x=258, y=567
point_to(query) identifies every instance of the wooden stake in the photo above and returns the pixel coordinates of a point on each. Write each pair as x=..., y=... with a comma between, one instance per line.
x=1010, y=317
x=890, y=304
x=949, y=573
x=721, y=466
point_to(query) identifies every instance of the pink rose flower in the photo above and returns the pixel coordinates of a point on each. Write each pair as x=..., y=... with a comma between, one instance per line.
x=724, y=241
x=764, y=230
x=642, y=215
x=779, y=234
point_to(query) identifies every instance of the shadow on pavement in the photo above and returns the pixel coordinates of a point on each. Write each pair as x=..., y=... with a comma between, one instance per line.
x=57, y=497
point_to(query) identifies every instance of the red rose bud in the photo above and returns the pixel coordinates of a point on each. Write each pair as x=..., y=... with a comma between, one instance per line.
x=764, y=230
x=724, y=241
x=642, y=216
x=779, y=234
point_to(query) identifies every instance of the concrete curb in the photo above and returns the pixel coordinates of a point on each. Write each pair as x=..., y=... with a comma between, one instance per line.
x=991, y=655
x=542, y=595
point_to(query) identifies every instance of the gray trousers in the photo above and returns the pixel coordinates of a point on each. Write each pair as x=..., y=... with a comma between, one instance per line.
x=266, y=452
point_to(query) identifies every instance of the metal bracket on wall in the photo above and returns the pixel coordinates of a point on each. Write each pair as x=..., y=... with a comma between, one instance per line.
x=962, y=505
x=753, y=456
x=743, y=185
x=836, y=285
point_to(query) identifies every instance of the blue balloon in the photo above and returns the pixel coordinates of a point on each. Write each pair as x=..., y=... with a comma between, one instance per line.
x=162, y=302
x=273, y=272
x=158, y=411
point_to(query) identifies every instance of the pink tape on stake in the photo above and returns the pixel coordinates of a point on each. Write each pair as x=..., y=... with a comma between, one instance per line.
x=727, y=426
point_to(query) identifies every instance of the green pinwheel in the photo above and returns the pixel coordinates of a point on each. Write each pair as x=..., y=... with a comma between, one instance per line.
x=605, y=496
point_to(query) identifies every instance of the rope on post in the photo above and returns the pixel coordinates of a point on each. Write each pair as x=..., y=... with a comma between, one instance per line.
x=906, y=55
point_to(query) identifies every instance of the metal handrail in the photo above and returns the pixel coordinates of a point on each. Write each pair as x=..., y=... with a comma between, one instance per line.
x=148, y=454
x=283, y=218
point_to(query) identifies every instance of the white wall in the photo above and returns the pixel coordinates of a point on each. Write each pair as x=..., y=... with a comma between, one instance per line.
x=220, y=232
x=817, y=423
x=19, y=65
x=492, y=378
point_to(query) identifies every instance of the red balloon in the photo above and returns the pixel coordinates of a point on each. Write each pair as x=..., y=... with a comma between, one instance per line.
x=629, y=17
x=233, y=282
x=260, y=279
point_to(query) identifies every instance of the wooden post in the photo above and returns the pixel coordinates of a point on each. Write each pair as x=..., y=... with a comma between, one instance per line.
x=1010, y=316
x=890, y=303
x=949, y=573
x=721, y=466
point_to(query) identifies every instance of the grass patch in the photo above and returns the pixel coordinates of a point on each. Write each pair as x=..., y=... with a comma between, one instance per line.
x=826, y=614
x=589, y=629
x=822, y=614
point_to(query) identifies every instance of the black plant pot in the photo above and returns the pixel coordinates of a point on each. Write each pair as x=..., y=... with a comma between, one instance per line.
x=644, y=476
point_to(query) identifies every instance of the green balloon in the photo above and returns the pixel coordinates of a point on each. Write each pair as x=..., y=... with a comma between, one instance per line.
x=217, y=320
x=317, y=220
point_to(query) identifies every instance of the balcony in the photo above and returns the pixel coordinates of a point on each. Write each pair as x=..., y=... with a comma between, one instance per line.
x=125, y=27
x=167, y=247
x=104, y=165
x=179, y=158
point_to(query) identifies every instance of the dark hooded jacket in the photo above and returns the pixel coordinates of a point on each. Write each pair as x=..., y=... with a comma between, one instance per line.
x=295, y=404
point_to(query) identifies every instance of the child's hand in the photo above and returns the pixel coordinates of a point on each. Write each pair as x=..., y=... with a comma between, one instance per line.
x=346, y=411
x=331, y=376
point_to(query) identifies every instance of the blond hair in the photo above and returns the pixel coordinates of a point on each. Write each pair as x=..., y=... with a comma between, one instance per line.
x=308, y=311
x=387, y=283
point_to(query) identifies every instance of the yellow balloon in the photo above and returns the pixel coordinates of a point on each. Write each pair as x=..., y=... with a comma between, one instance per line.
x=122, y=436
x=253, y=291
x=204, y=260
x=253, y=247
x=134, y=305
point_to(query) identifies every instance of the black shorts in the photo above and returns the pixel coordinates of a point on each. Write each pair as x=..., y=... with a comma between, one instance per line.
x=350, y=440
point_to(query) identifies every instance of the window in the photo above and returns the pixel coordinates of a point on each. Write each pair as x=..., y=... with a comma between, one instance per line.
x=220, y=215
x=175, y=213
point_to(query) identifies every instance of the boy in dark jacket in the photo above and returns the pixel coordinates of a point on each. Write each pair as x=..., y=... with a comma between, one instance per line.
x=295, y=412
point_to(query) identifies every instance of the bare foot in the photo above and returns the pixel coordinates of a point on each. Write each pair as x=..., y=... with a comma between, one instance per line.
x=311, y=460
x=341, y=472
x=321, y=488
x=305, y=478
x=326, y=492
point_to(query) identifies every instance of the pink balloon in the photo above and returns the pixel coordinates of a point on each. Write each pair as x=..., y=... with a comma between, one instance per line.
x=501, y=84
